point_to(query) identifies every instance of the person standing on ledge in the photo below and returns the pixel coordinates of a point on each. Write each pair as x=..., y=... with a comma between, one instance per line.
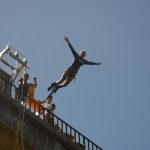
x=71, y=72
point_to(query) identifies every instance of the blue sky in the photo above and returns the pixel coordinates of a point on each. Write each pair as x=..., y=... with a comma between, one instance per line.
x=109, y=104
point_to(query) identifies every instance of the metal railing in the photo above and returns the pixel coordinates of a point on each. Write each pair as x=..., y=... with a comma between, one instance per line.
x=58, y=124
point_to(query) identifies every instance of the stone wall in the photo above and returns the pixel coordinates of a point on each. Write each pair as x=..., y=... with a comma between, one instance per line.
x=36, y=133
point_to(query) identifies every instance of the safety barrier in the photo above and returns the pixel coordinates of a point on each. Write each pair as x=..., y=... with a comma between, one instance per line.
x=61, y=126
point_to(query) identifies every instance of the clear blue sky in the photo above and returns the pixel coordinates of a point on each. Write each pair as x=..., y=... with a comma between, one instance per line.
x=109, y=104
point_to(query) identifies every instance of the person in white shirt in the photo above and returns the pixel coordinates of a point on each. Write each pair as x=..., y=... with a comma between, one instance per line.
x=50, y=107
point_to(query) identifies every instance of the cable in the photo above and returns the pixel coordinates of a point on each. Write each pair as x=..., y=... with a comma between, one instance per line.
x=22, y=143
x=22, y=120
x=17, y=132
x=21, y=117
x=22, y=111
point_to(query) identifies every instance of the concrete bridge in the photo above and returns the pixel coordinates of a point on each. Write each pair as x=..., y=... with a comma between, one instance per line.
x=24, y=129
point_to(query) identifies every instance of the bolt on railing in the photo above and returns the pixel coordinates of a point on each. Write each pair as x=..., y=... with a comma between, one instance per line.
x=61, y=126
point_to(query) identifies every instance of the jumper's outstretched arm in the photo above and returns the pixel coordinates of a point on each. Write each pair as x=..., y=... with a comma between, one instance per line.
x=91, y=63
x=71, y=47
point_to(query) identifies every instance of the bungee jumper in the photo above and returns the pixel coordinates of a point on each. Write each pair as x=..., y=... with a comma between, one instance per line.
x=71, y=72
